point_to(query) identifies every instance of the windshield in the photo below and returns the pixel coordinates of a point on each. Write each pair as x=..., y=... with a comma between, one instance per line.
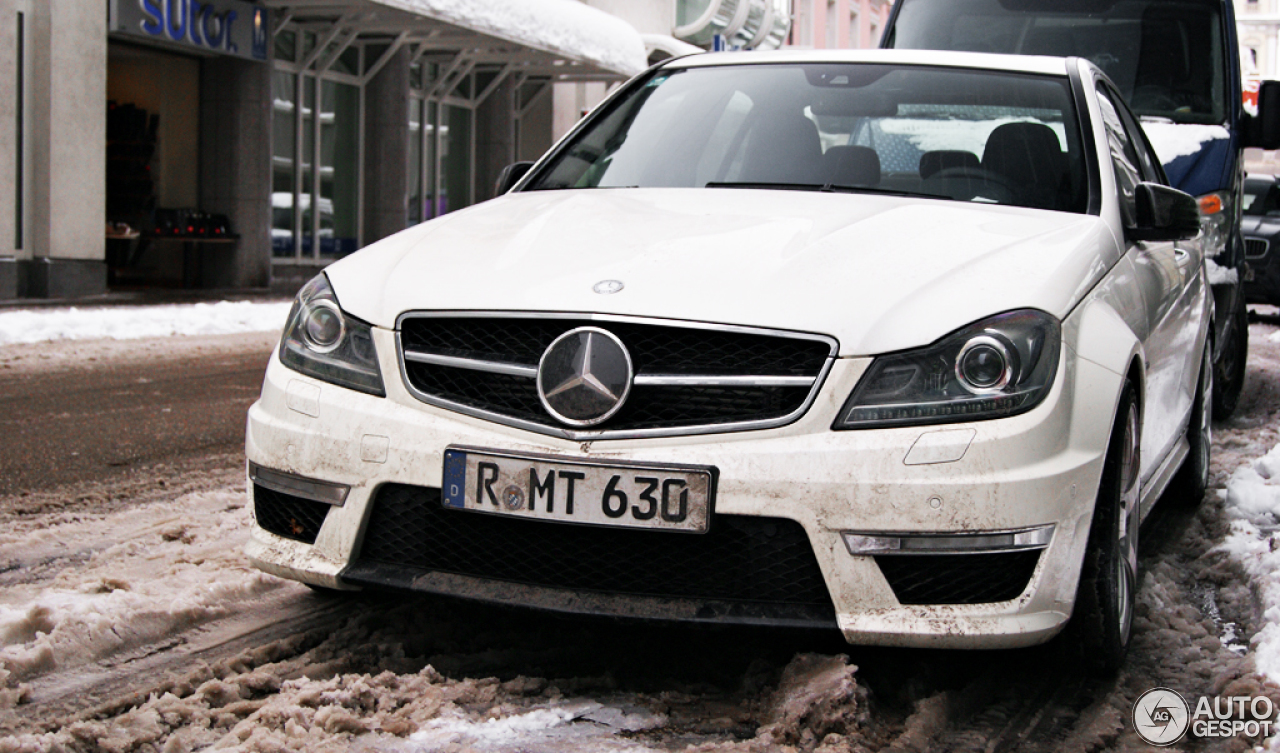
x=1166, y=56
x=949, y=133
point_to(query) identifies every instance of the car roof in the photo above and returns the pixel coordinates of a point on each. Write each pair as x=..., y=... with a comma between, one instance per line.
x=971, y=60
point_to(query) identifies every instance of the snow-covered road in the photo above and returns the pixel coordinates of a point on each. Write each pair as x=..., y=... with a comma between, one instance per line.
x=131, y=621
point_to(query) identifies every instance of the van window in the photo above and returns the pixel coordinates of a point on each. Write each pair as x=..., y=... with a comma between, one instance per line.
x=1166, y=56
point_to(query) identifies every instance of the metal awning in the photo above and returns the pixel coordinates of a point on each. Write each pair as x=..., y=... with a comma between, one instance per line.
x=530, y=39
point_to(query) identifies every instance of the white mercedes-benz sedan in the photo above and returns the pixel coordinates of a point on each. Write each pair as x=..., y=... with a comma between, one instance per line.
x=902, y=343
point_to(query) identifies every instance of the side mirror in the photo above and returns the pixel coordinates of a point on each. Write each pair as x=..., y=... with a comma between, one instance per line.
x=1164, y=214
x=511, y=175
x=1265, y=130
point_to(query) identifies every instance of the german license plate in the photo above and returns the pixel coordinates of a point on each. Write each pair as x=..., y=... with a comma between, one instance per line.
x=589, y=492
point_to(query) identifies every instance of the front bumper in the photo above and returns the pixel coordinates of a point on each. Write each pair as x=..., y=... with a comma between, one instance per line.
x=1030, y=471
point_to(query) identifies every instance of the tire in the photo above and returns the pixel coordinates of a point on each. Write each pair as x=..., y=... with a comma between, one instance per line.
x=1189, y=486
x=1109, y=576
x=1229, y=369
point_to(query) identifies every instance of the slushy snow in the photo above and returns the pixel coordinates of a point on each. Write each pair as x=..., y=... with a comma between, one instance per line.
x=138, y=322
x=1253, y=506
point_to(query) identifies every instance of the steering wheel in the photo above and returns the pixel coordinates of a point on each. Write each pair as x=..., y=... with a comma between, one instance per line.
x=970, y=183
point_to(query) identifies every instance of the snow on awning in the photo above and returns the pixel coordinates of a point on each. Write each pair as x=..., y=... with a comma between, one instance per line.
x=668, y=46
x=562, y=27
x=563, y=38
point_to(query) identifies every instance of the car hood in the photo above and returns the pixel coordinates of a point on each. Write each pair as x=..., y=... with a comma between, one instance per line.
x=879, y=273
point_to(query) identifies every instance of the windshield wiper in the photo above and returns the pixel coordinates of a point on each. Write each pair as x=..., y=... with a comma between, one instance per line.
x=782, y=186
x=827, y=188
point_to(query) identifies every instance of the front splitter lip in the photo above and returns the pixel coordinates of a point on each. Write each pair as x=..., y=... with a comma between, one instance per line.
x=578, y=602
x=940, y=627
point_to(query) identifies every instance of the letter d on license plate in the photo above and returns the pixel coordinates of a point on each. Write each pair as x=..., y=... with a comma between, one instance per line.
x=573, y=490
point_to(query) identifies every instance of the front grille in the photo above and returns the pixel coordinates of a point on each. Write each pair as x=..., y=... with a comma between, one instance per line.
x=725, y=378
x=288, y=516
x=740, y=559
x=1255, y=248
x=958, y=578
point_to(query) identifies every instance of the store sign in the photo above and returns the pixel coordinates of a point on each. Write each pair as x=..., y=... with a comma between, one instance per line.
x=228, y=27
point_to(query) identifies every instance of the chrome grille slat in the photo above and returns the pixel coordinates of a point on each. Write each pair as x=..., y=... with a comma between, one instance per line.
x=1256, y=248
x=676, y=380
x=689, y=376
x=493, y=367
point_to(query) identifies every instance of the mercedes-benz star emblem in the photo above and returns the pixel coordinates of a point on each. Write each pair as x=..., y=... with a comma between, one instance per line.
x=584, y=376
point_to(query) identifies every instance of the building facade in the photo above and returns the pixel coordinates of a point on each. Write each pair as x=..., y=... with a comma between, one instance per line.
x=247, y=143
x=833, y=24
x=1258, y=27
x=237, y=144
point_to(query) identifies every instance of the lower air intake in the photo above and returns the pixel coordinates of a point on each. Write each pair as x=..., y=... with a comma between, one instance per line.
x=288, y=516
x=740, y=559
x=958, y=578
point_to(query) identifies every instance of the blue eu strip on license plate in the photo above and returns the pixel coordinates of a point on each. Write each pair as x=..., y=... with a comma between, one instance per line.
x=455, y=479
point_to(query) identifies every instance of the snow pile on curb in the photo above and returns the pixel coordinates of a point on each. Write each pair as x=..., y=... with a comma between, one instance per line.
x=136, y=322
x=1253, y=508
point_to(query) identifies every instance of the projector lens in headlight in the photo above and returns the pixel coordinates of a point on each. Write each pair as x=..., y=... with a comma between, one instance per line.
x=322, y=326
x=984, y=365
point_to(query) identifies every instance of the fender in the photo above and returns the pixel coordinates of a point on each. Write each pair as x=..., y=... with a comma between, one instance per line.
x=1106, y=331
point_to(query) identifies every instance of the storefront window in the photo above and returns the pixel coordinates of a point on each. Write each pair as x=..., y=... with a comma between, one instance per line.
x=318, y=157
x=286, y=45
x=455, y=159
x=415, y=162
x=284, y=128
x=422, y=160
x=306, y=163
x=338, y=202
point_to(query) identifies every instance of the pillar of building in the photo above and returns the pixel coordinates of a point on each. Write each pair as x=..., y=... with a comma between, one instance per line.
x=386, y=145
x=235, y=170
x=66, y=100
x=9, y=151
x=495, y=137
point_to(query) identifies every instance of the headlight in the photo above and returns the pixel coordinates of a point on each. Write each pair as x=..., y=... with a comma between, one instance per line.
x=994, y=368
x=322, y=341
x=1217, y=216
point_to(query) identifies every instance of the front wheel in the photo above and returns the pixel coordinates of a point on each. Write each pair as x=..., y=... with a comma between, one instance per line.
x=1230, y=367
x=1109, y=576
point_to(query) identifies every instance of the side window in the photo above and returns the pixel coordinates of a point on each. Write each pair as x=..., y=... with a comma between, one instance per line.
x=1148, y=160
x=1124, y=155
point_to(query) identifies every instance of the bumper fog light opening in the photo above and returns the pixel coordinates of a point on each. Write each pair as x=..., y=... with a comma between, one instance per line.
x=983, y=542
x=299, y=486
